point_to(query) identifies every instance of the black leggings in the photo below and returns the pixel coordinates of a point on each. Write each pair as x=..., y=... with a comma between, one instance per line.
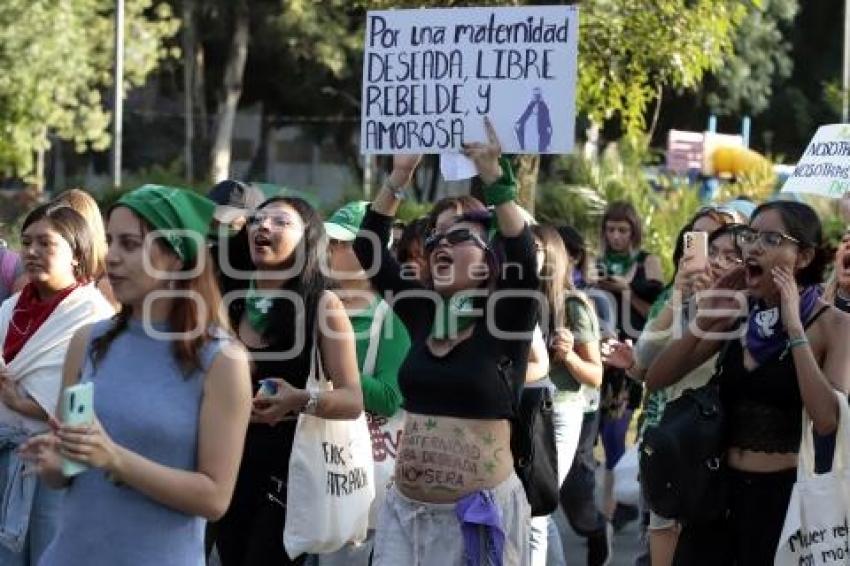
x=749, y=535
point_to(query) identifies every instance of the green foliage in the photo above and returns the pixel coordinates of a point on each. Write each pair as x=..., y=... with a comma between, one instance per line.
x=56, y=64
x=582, y=189
x=761, y=58
x=629, y=50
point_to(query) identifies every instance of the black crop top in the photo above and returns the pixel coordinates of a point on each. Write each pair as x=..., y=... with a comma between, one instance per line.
x=481, y=377
x=763, y=406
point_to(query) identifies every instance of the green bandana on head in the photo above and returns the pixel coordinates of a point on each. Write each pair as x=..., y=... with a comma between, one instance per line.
x=171, y=209
x=453, y=316
x=257, y=307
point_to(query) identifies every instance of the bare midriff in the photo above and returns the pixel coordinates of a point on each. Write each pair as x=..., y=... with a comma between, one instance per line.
x=443, y=459
x=760, y=462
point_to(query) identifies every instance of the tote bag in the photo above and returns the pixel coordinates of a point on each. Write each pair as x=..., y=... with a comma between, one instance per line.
x=816, y=525
x=331, y=478
x=385, y=431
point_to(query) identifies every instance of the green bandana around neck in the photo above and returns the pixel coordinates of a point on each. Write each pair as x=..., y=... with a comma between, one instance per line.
x=453, y=316
x=257, y=307
x=618, y=263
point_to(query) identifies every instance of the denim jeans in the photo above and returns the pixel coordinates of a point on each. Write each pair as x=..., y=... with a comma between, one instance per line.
x=43, y=524
x=567, y=418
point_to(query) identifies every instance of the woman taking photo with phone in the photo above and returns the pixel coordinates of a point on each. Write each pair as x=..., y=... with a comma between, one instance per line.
x=171, y=397
x=285, y=308
x=793, y=355
x=36, y=326
x=456, y=494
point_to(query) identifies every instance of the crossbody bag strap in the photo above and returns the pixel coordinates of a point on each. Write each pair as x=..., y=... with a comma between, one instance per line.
x=370, y=362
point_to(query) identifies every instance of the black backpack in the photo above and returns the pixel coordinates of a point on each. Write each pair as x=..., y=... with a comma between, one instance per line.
x=682, y=465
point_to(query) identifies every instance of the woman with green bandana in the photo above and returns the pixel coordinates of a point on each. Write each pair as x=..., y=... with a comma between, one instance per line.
x=456, y=498
x=171, y=397
x=633, y=279
x=382, y=344
x=284, y=307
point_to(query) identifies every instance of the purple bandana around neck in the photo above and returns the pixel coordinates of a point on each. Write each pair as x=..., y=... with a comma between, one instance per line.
x=766, y=337
x=476, y=511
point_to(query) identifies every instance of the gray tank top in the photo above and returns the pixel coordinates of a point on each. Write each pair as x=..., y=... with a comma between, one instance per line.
x=147, y=405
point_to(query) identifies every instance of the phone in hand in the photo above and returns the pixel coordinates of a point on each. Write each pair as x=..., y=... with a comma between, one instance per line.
x=695, y=251
x=77, y=410
x=268, y=388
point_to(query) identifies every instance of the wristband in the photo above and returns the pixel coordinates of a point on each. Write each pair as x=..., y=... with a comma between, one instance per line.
x=397, y=192
x=504, y=188
x=794, y=342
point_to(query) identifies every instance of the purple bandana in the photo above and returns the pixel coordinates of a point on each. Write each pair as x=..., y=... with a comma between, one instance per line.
x=766, y=337
x=476, y=511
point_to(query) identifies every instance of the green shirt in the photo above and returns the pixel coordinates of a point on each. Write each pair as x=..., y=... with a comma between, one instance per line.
x=381, y=394
x=583, y=323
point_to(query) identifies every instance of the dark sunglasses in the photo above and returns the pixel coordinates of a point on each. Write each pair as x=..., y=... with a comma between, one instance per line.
x=453, y=238
x=747, y=237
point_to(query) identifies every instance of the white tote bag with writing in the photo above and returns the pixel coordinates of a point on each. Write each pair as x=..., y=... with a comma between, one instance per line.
x=385, y=431
x=816, y=525
x=331, y=478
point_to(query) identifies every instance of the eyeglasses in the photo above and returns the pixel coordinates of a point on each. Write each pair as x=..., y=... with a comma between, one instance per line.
x=276, y=221
x=453, y=238
x=747, y=237
x=724, y=259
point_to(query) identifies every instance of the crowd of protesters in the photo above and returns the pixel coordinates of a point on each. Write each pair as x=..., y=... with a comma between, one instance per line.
x=180, y=310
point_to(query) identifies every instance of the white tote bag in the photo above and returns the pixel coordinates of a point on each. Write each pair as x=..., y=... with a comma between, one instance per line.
x=331, y=478
x=385, y=431
x=626, y=484
x=816, y=525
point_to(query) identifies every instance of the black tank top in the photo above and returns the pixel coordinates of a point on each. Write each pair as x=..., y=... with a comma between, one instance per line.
x=763, y=406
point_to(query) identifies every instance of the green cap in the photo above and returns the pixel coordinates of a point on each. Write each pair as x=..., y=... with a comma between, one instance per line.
x=344, y=224
x=169, y=208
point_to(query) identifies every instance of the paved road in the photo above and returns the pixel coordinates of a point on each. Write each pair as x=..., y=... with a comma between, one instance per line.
x=626, y=545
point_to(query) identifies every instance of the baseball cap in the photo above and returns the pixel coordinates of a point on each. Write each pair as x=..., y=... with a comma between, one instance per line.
x=344, y=224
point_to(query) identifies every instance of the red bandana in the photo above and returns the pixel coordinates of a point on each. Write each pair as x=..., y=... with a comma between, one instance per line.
x=30, y=313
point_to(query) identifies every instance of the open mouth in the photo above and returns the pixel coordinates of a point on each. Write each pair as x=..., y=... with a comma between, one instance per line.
x=845, y=261
x=754, y=270
x=262, y=241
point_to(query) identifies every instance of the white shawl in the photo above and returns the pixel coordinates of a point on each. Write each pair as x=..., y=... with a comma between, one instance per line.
x=37, y=368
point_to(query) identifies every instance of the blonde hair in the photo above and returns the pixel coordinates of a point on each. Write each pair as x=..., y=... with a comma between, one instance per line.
x=84, y=203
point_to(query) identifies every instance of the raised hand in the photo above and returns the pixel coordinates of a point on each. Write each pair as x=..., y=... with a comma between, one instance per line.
x=562, y=344
x=486, y=155
x=618, y=354
x=403, y=168
x=789, y=294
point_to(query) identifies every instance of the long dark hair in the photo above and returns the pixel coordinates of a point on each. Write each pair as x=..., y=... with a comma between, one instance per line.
x=803, y=224
x=286, y=320
x=185, y=316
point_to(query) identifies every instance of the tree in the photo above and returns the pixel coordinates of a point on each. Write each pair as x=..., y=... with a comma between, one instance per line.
x=761, y=59
x=57, y=65
x=631, y=50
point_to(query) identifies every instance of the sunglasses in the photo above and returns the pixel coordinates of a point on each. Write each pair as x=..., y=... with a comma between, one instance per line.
x=453, y=238
x=747, y=237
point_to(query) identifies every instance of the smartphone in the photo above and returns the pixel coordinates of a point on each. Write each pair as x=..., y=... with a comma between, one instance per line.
x=268, y=388
x=77, y=410
x=696, y=251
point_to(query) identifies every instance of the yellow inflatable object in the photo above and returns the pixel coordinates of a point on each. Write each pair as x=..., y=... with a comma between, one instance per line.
x=734, y=161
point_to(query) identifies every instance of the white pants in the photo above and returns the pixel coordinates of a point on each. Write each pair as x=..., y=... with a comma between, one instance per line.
x=567, y=418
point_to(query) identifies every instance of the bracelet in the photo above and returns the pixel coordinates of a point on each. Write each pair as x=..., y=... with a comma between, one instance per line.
x=397, y=192
x=794, y=342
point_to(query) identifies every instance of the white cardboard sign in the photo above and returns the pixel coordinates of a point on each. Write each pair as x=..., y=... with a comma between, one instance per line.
x=824, y=168
x=430, y=75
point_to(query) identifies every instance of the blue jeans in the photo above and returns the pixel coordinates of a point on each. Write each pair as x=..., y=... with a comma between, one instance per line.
x=44, y=522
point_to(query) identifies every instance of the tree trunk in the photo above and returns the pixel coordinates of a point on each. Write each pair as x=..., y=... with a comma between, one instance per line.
x=188, y=86
x=258, y=170
x=659, y=94
x=229, y=101
x=528, y=168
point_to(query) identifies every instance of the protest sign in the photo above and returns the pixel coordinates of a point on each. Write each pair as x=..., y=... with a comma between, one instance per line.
x=824, y=168
x=430, y=75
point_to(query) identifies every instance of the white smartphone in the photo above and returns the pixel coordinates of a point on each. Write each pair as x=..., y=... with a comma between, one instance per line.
x=77, y=410
x=696, y=251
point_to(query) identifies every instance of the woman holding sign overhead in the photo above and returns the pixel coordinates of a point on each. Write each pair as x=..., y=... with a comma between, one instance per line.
x=456, y=494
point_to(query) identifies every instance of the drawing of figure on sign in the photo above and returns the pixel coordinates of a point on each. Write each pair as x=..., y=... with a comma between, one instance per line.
x=537, y=114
